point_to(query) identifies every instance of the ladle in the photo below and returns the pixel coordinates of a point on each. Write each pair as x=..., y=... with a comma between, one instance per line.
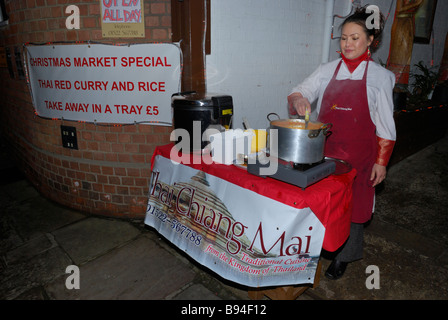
x=307, y=118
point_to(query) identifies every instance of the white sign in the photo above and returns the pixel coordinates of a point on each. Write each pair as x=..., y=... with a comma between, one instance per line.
x=239, y=234
x=104, y=83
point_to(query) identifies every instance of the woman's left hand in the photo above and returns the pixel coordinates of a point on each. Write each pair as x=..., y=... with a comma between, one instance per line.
x=378, y=174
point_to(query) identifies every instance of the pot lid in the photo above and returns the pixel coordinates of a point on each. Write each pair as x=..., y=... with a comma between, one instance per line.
x=199, y=99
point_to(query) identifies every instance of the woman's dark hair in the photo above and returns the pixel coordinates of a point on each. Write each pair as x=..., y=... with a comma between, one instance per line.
x=361, y=17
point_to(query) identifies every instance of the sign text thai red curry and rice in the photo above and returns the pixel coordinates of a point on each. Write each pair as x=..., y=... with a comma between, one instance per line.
x=104, y=83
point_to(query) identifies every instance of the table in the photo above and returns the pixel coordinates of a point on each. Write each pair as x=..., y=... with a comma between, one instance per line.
x=271, y=233
x=329, y=199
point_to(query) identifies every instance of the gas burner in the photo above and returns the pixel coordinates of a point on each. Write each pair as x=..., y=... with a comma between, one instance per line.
x=300, y=175
x=306, y=166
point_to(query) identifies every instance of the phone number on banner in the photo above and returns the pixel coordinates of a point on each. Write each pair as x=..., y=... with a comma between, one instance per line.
x=176, y=225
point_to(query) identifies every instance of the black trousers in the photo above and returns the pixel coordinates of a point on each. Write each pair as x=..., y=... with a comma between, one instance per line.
x=353, y=248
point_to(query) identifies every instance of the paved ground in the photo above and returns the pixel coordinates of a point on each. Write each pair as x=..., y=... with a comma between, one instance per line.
x=407, y=241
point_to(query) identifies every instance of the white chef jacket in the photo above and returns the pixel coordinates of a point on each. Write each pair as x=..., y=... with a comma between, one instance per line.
x=380, y=84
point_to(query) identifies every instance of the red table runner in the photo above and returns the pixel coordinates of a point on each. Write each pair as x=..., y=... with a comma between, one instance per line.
x=330, y=199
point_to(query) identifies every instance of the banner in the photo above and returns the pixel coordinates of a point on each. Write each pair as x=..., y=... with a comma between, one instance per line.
x=242, y=236
x=104, y=83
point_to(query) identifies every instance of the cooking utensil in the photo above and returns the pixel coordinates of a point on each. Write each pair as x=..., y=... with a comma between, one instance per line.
x=307, y=118
x=295, y=143
x=208, y=109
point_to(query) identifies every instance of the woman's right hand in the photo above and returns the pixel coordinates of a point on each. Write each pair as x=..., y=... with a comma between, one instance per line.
x=298, y=104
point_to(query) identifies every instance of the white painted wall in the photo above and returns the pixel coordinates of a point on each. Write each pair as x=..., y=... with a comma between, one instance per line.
x=260, y=49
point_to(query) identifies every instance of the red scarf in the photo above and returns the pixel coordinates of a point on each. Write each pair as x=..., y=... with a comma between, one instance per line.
x=354, y=63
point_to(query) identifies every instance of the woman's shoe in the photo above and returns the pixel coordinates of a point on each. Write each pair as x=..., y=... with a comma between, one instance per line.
x=336, y=269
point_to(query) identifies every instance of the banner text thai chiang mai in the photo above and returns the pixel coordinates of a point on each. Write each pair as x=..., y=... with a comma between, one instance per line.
x=239, y=234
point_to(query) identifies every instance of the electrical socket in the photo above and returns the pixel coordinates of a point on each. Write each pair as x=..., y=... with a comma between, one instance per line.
x=69, y=139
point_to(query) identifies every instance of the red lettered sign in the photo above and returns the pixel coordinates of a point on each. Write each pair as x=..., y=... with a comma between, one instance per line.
x=104, y=83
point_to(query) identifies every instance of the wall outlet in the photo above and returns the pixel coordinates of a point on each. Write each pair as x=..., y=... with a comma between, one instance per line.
x=69, y=139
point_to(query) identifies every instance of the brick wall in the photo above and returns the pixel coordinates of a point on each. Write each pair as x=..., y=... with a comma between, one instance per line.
x=109, y=173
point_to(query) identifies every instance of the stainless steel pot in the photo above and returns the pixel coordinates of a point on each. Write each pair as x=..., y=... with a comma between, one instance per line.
x=293, y=143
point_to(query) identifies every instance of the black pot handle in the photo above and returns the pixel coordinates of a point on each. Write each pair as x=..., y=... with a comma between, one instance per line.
x=325, y=129
x=272, y=113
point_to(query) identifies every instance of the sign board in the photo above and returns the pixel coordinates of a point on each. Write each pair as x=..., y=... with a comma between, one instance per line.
x=242, y=236
x=104, y=83
x=122, y=18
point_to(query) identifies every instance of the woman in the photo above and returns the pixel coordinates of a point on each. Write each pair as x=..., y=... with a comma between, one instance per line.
x=355, y=95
